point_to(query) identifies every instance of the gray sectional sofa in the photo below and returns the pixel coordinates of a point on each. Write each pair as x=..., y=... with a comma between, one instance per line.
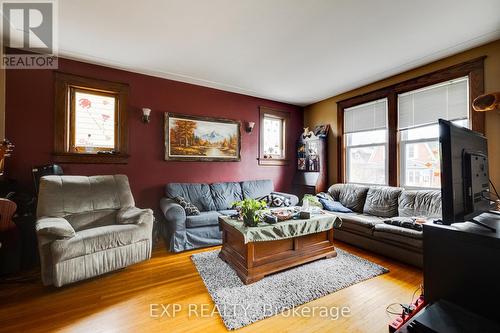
x=213, y=200
x=365, y=227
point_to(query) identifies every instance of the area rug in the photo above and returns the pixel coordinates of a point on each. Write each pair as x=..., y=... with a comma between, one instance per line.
x=240, y=305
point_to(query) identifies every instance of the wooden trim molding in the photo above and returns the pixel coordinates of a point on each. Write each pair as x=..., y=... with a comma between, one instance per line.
x=64, y=85
x=285, y=116
x=474, y=69
x=91, y=158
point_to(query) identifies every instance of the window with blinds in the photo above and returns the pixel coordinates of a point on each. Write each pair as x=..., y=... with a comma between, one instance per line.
x=366, y=117
x=448, y=100
x=418, y=114
x=365, y=141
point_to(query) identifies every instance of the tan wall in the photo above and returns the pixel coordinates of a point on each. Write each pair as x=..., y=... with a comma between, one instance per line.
x=325, y=112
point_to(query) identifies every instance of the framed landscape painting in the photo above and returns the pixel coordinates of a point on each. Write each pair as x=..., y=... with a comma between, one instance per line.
x=193, y=138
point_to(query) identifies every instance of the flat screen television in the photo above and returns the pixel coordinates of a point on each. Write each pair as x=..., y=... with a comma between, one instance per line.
x=465, y=187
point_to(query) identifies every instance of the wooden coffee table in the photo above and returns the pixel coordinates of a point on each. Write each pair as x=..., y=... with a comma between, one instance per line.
x=256, y=259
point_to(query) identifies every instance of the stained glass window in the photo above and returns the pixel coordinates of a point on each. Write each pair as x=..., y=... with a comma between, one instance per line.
x=94, y=121
x=273, y=136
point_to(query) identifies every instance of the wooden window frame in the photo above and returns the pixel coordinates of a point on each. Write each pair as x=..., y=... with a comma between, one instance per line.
x=285, y=117
x=473, y=69
x=65, y=86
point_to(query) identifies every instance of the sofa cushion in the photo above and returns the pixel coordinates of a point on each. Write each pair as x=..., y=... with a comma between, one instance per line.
x=202, y=220
x=225, y=194
x=198, y=194
x=358, y=222
x=256, y=188
x=97, y=218
x=395, y=234
x=351, y=196
x=97, y=239
x=425, y=203
x=382, y=201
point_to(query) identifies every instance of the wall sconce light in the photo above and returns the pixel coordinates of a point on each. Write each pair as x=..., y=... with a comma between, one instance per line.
x=487, y=102
x=250, y=126
x=145, y=115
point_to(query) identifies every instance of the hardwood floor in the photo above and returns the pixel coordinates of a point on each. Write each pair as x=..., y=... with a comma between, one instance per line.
x=120, y=301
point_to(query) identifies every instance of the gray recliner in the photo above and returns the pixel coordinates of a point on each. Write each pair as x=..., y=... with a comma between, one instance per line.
x=213, y=200
x=88, y=226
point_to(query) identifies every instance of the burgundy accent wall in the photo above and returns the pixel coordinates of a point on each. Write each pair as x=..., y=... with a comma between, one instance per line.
x=30, y=126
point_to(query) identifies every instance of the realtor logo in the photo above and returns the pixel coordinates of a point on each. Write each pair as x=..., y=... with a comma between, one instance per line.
x=29, y=33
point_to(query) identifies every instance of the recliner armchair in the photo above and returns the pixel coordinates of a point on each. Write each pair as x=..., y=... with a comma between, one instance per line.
x=88, y=226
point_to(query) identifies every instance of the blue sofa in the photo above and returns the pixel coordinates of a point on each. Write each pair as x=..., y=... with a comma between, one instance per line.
x=213, y=200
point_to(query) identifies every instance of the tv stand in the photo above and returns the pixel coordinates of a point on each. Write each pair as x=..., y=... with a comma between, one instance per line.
x=461, y=265
x=483, y=225
x=487, y=220
x=496, y=212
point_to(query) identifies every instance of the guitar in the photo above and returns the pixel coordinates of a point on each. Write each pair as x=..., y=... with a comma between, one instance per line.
x=6, y=147
x=7, y=211
x=7, y=207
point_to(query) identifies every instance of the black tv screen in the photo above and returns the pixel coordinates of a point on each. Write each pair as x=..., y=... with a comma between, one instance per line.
x=464, y=173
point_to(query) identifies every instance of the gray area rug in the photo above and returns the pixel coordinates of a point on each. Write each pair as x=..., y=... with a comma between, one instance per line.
x=240, y=305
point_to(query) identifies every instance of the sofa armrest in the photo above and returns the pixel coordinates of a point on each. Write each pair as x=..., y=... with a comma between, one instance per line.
x=173, y=212
x=134, y=215
x=175, y=217
x=294, y=200
x=54, y=228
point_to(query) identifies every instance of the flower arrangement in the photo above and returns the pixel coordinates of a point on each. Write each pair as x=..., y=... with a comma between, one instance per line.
x=250, y=210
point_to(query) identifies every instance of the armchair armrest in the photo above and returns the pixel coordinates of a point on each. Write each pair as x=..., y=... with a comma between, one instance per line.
x=134, y=215
x=55, y=227
x=294, y=200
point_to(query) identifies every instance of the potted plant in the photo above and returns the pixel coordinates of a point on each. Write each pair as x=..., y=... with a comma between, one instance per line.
x=250, y=210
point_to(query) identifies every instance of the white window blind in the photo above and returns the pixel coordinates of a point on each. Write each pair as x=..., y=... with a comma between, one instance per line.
x=448, y=100
x=366, y=117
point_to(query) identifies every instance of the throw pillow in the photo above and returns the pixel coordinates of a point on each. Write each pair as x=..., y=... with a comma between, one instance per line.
x=312, y=200
x=276, y=200
x=326, y=196
x=189, y=208
x=280, y=200
x=334, y=206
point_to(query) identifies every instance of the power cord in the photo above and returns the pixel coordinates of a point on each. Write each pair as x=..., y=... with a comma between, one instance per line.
x=406, y=309
x=494, y=189
x=421, y=288
x=488, y=197
x=393, y=312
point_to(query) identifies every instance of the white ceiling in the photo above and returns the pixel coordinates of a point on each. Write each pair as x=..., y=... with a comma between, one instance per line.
x=295, y=51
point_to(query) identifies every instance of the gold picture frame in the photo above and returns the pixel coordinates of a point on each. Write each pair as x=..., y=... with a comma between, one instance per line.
x=196, y=138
